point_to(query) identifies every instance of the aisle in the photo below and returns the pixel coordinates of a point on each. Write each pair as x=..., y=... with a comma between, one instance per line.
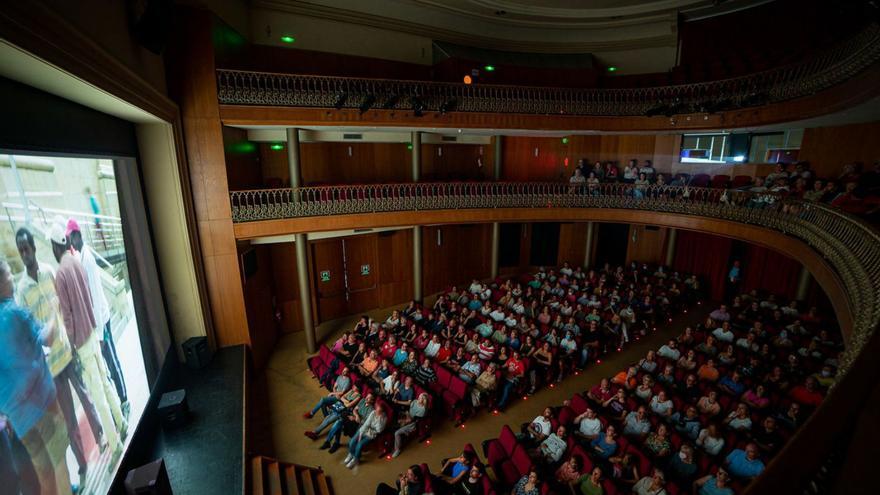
x=289, y=390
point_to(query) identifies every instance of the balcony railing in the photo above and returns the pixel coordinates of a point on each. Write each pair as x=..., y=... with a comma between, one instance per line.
x=849, y=246
x=827, y=69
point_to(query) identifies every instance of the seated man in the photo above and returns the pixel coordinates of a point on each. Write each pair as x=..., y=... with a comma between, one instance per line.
x=470, y=370
x=404, y=395
x=340, y=387
x=669, y=350
x=540, y=427
x=724, y=333
x=739, y=419
x=589, y=425
x=688, y=423
x=486, y=384
x=335, y=411
x=767, y=436
x=732, y=384
x=720, y=314
x=744, y=464
x=636, y=423
x=553, y=447
x=408, y=421
x=425, y=374
x=372, y=426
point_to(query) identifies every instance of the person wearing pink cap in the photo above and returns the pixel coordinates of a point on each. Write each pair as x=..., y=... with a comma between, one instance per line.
x=100, y=309
x=75, y=303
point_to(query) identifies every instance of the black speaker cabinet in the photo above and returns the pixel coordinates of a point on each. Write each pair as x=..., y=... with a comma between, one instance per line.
x=149, y=479
x=173, y=409
x=197, y=353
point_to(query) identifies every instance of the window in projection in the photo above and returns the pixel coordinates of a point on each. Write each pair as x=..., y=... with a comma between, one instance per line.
x=72, y=379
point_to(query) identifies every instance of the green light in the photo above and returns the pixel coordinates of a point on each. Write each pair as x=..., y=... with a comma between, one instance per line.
x=409, y=146
x=612, y=69
x=276, y=146
x=565, y=140
x=489, y=68
x=288, y=39
x=241, y=147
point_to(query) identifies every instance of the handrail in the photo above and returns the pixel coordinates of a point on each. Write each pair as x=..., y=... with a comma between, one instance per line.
x=827, y=69
x=850, y=247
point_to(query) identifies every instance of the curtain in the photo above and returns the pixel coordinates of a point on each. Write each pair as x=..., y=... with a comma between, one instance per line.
x=707, y=257
x=768, y=270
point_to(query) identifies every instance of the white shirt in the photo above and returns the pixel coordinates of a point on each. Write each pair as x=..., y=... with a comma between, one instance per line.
x=723, y=336
x=543, y=424
x=661, y=408
x=554, y=447
x=497, y=315
x=591, y=427
x=476, y=288
x=711, y=445
x=432, y=348
x=100, y=309
x=668, y=352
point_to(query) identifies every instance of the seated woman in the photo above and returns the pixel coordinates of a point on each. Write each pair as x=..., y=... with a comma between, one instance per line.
x=686, y=339
x=421, y=342
x=661, y=405
x=616, y=405
x=688, y=362
x=727, y=357
x=739, y=419
x=657, y=443
x=411, y=365
x=624, y=469
x=589, y=484
x=651, y=485
x=645, y=390
x=542, y=360
x=433, y=346
x=460, y=337
x=605, y=446
x=756, y=398
x=649, y=362
x=455, y=469
x=569, y=471
x=388, y=385
x=529, y=484
x=382, y=371
x=369, y=364
x=708, y=404
x=444, y=355
x=373, y=425
x=710, y=440
x=472, y=484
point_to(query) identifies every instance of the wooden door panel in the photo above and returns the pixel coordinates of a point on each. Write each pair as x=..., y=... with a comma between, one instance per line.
x=327, y=256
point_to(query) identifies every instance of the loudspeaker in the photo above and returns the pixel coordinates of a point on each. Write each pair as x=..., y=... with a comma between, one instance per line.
x=197, y=352
x=149, y=479
x=173, y=409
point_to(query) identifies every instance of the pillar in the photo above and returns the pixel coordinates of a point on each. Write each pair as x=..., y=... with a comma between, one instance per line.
x=302, y=263
x=588, y=252
x=293, y=165
x=305, y=293
x=803, y=284
x=417, y=230
x=670, y=246
x=416, y=156
x=496, y=227
x=496, y=169
x=417, y=263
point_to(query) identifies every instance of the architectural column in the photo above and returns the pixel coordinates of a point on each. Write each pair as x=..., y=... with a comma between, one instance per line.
x=496, y=227
x=302, y=261
x=417, y=263
x=588, y=252
x=417, y=230
x=416, y=156
x=803, y=284
x=305, y=293
x=670, y=246
x=293, y=165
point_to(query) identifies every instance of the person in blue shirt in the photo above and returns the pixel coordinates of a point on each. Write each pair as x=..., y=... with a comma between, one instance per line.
x=744, y=463
x=27, y=391
x=605, y=445
x=719, y=484
x=732, y=384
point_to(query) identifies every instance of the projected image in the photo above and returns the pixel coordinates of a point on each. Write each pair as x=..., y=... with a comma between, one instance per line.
x=72, y=379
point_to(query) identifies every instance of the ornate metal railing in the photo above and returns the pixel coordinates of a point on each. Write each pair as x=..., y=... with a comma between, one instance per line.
x=850, y=245
x=827, y=69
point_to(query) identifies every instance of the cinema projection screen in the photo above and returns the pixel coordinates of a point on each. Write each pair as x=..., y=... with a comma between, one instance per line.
x=73, y=384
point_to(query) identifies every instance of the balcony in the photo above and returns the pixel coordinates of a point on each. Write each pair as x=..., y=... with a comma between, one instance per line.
x=828, y=69
x=844, y=248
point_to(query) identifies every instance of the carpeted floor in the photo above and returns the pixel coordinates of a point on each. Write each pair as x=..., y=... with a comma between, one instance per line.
x=285, y=389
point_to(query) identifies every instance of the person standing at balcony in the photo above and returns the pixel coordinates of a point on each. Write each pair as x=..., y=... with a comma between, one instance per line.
x=75, y=302
x=733, y=278
x=100, y=309
x=36, y=293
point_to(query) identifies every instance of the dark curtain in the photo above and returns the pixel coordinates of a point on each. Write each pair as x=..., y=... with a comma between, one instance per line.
x=767, y=270
x=707, y=257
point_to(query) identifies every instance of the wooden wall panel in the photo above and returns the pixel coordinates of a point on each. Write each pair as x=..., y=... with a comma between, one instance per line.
x=331, y=163
x=242, y=163
x=329, y=296
x=361, y=251
x=519, y=162
x=441, y=162
x=829, y=148
x=572, y=243
x=394, y=268
x=285, y=273
x=649, y=245
x=258, y=296
x=462, y=254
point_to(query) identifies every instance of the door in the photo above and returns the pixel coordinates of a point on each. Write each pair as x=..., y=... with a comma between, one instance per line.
x=345, y=276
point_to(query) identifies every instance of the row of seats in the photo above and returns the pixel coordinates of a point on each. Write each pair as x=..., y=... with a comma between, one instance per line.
x=813, y=349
